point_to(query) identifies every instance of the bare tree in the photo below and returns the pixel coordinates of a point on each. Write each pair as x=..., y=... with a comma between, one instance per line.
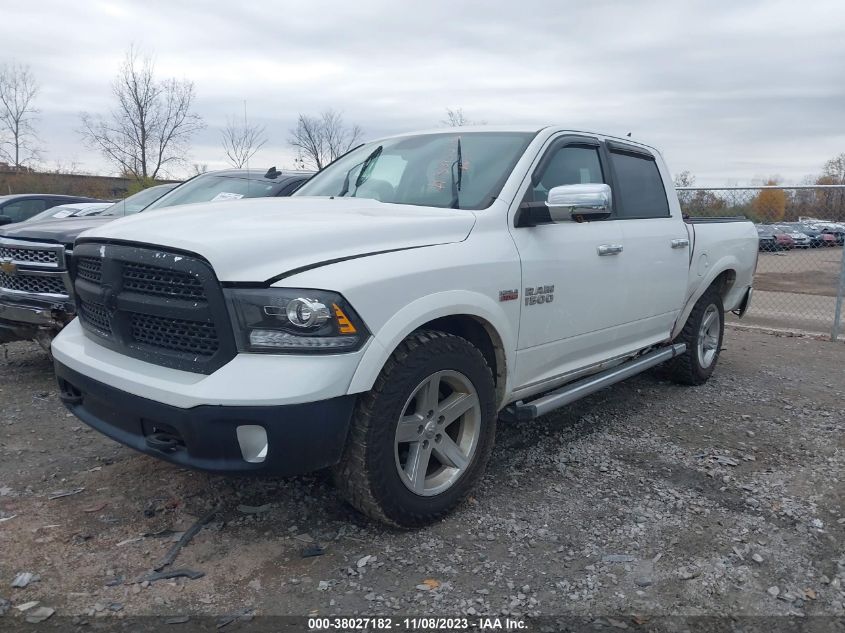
x=457, y=118
x=834, y=170
x=152, y=124
x=242, y=140
x=832, y=174
x=18, y=89
x=685, y=179
x=321, y=139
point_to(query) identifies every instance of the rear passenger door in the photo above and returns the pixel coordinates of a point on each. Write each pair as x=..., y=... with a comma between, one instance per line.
x=656, y=242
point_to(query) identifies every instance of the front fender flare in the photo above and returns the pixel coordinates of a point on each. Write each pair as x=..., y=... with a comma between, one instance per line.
x=420, y=312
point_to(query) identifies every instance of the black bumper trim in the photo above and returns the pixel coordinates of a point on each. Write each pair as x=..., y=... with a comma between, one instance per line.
x=301, y=437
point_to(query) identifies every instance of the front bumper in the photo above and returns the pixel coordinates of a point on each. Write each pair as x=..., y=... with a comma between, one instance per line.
x=22, y=320
x=247, y=380
x=299, y=437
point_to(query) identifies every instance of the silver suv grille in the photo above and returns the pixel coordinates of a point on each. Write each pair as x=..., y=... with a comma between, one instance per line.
x=40, y=284
x=49, y=255
x=33, y=269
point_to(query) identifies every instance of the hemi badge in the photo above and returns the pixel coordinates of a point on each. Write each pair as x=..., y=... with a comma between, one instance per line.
x=508, y=295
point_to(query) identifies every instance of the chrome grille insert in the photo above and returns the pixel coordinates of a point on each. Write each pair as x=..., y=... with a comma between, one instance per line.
x=39, y=284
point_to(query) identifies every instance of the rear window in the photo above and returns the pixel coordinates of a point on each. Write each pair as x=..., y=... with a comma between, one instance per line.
x=640, y=188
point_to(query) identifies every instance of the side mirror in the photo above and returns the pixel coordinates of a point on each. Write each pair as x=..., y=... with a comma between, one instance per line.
x=579, y=203
x=5, y=219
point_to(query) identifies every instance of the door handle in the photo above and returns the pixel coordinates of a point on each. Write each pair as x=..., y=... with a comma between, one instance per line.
x=609, y=249
x=680, y=243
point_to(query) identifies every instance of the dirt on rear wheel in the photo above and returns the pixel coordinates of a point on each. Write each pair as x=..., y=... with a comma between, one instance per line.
x=703, y=333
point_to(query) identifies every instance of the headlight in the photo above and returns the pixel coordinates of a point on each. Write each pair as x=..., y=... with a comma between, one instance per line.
x=294, y=321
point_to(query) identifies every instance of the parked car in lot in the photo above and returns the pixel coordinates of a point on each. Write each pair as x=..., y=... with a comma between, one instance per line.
x=233, y=184
x=74, y=210
x=22, y=206
x=826, y=239
x=766, y=238
x=773, y=239
x=377, y=321
x=784, y=241
x=836, y=230
x=36, y=296
x=799, y=239
x=139, y=201
x=815, y=234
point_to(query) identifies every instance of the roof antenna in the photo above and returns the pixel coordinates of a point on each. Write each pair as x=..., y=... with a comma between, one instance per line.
x=628, y=135
x=273, y=173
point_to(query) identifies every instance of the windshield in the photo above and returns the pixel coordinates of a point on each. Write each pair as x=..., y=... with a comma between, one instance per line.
x=67, y=211
x=211, y=188
x=462, y=170
x=60, y=211
x=138, y=201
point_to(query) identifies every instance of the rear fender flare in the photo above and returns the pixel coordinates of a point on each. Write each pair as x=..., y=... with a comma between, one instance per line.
x=728, y=262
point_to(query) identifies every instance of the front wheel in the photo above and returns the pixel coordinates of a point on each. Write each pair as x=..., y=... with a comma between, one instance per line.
x=703, y=333
x=421, y=437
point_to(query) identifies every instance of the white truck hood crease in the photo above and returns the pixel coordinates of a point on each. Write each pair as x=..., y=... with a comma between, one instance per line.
x=256, y=240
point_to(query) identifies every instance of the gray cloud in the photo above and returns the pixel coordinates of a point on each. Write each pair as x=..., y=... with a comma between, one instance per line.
x=731, y=91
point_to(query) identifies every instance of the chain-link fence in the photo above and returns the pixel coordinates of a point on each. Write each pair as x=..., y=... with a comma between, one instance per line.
x=800, y=278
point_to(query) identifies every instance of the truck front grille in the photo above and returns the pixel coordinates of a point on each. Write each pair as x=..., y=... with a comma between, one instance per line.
x=38, y=284
x=161, y=307
x=193, y=337
x=30, y=255
x=89, y=268
x=95, y=316
x=153, y=280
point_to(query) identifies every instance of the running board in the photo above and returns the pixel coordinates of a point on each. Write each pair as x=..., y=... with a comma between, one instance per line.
x=524, y=411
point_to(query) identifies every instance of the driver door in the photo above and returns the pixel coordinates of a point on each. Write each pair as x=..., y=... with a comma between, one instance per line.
x=581, y=320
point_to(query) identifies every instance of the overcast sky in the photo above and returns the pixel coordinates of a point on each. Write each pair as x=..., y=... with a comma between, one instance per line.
x=730, y=90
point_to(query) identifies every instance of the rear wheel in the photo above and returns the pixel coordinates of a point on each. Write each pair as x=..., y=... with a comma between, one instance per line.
x=421, y=437
x=703, y=333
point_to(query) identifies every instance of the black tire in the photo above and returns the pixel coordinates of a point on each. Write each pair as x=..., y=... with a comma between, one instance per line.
x=367, y=474
x=688, y=369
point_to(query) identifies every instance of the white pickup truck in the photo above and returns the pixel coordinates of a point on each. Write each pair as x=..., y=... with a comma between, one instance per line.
x=380, y=320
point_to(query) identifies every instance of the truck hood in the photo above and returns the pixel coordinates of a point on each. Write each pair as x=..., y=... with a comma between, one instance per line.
x=264, y=238
x=62, y=231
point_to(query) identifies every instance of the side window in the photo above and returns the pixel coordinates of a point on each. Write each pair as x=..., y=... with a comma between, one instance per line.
x=570, y=165
x=23, y=209
x=640, y=188
x=289, y=188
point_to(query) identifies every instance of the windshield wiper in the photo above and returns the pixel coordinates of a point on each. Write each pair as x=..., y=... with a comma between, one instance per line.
x=362, y=175
x=456, y=180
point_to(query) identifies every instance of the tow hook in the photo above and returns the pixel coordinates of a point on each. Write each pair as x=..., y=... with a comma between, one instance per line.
x=164, y=442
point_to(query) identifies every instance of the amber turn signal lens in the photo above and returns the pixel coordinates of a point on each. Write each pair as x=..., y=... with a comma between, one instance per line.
x=344, y=325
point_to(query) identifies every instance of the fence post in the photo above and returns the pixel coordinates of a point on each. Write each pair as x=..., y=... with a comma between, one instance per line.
x=837, y=317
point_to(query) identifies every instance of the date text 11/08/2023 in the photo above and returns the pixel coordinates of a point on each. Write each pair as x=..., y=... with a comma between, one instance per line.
x=433, y=624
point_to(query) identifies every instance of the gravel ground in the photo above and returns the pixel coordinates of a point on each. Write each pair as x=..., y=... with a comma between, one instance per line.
x=645, y=499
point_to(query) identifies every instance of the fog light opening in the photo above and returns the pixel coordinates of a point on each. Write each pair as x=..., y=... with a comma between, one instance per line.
x=253, y=442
